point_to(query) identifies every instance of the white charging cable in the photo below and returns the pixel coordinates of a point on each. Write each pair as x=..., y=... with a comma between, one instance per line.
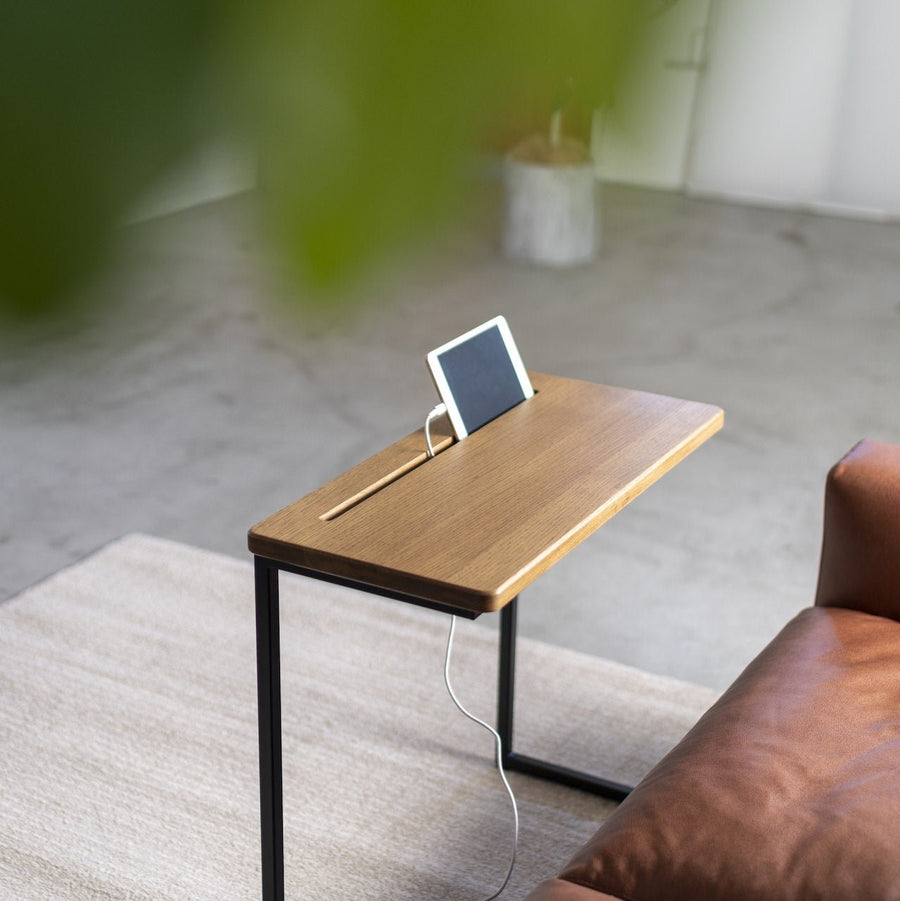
x=439, y=410
x=499, y=756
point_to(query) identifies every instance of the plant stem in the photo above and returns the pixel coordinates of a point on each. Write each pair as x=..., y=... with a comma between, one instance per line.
x=555, y=127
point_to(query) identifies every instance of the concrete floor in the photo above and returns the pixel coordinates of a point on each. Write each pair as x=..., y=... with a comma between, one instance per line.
x=198, y=407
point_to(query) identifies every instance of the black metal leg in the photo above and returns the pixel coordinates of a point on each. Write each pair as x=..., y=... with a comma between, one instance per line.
x=506, y=681
x=505, y=704
x=268, y=681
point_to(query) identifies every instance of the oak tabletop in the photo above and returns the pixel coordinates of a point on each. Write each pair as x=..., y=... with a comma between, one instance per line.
x=477, y=523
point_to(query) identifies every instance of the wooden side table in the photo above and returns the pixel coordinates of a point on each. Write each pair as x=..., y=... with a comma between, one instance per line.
x=464, y=532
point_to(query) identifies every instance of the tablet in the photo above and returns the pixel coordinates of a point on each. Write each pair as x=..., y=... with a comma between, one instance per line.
x=479, y=375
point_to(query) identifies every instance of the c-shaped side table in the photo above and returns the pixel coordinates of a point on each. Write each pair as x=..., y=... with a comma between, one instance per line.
x=464, y=532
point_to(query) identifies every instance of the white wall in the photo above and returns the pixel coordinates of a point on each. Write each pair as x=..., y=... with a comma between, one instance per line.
x=865, y=164
x=218, y=170
x=646, y=142
x=769, y=98
x=797, y=106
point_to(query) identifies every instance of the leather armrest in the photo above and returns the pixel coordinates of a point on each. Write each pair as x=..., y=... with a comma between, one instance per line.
x=860, y=566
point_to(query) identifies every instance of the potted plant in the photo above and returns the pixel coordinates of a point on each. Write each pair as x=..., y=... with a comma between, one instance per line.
x=549, y=191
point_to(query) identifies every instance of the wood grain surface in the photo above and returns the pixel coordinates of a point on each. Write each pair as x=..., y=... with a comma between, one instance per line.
x=480, y=521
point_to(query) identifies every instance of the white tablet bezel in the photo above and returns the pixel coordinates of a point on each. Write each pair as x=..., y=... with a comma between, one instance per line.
x=440, y=380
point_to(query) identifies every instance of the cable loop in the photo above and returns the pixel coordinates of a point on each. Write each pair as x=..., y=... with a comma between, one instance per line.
x=498, y=743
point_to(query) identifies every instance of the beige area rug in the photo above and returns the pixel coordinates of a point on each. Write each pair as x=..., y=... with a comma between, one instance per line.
x=128, y=747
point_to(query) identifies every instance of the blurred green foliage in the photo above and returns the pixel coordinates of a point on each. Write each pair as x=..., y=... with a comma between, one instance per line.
x=364, y=115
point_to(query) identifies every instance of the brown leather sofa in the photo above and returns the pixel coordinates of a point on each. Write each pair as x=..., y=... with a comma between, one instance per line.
x=789, y=786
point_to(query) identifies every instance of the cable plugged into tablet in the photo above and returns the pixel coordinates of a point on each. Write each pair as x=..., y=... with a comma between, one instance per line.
x=439, y=410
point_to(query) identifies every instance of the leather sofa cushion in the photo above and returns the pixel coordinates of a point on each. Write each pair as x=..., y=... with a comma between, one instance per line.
x=787, y=788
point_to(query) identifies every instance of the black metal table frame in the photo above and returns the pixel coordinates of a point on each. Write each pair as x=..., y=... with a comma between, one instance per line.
x=268, y=672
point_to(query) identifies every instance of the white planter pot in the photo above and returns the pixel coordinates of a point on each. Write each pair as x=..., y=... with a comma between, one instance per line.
x=550, y=213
